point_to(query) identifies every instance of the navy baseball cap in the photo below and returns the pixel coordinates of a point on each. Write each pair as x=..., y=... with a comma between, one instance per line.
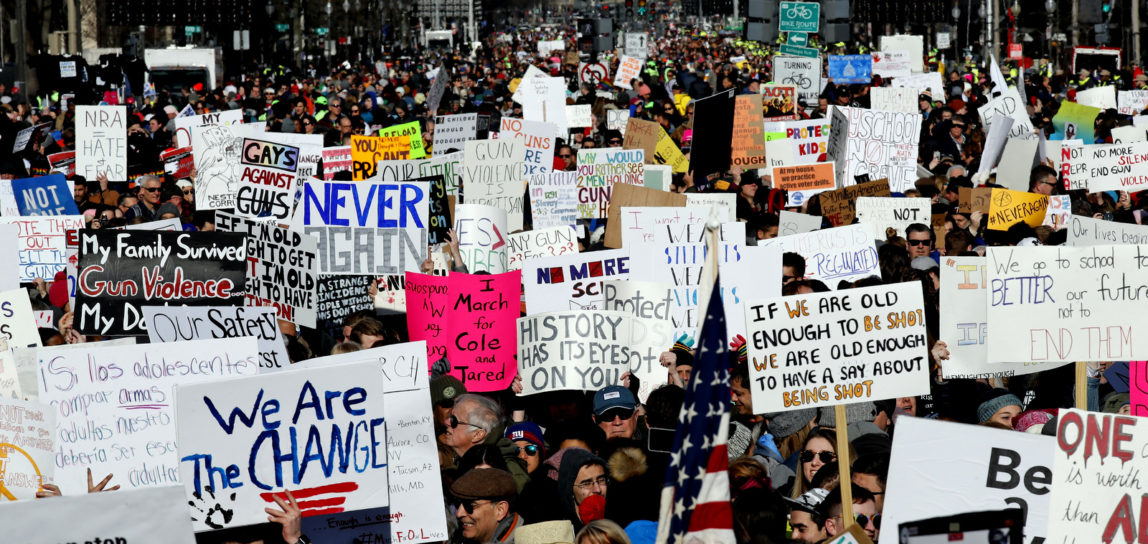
x=613, y=396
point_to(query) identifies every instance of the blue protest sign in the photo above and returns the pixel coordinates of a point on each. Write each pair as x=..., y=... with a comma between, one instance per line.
x=850, y=68
x=44, y=195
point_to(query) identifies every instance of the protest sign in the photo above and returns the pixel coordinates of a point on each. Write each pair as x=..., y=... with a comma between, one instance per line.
x=267, y=186
x=481, y=232
x=778, y=102
x=892, y=64
x=842, y=253
x=797, y=223
x=807, y=141
x=536, y=243
x=26, y=440
x=1008, y=207
x=451, y=132
x=27, y=136
x=658, y=147
x=439, y=206
x=975, y=199
x=43, y=242
x=1087, y=231
x=412, y=134
x=901, y=99
x=367, y=151
x=632, y=195
x=1016, y=162
x=571, y=282
x=180, y=323
x=122, y=271
x=493, y=176
x=810, y=179
x=867, y=344
x=10, y=246
x=880, y=144
x=1098, y=97
x=1065, y=304
x=1058, y=213
x=10, y=386
x=712, y=135
x=335, y=160
x=1075, y=122
x=44, y=195
x=102, y=142
x=1008, y=104
x=915, y=45
x=146, y=515
x=748, y=149
x=658, y=176
x=748, y=272
x=1131, y=102
x=1108, y=167
x=545, y=47
x=884, y=213
x=1096, y=492
x=217, y=151
x=178, y=162
x=849, y=69
x=579, y=116
x=186, y=126
x=928, y=82
x=438, y=86
x=448, y=165
x=119, y=401
x=416, y=507
x=598, y=171
x=543, y=100
x=803, y=73
x=617, y=120
x=238, y=455
x=480, y=323
x=17, y=325
x=588, y=350
x=8, y=207
x=339, y=297
x=1129, y=133
x=984, y=469
x=427, y=299
x=374, y=228
x=964, y=322
x=553, y=199
x=63, y=162
x=629, y=69
x=840, y=206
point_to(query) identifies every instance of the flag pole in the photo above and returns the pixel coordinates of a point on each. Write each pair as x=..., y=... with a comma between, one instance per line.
x=710, y=268
x=846, y=478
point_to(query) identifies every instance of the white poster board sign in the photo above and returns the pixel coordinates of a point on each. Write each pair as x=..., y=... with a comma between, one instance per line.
x=481, y=232
x=493, y=176
x=889, y=152
x=883, y=213
x=179, y=323
x=536, y=243
x=915, y=45
x=797, y=223
x=27, y=442
x=831, y=255
x=1087, y=231
x=102, y=142
x=554, y=199
x=144, y=515
x=17, y=324
x=571, y=282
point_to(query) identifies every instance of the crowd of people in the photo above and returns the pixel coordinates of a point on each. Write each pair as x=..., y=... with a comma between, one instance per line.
x=588, y=467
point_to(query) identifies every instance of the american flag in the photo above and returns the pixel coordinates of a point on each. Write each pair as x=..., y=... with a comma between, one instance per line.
x=695, y=505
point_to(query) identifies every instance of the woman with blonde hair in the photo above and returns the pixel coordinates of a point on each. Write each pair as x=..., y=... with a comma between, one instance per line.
x=602, y=531
x=820, y=449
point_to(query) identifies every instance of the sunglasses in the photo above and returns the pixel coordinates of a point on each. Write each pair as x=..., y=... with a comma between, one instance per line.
x=863, y=520
x=614, y=142
x=825, y=456
x=917, y=242
x=152, y=189
x=565, y=155
x=189, y=191
x=531, y=450
x=454, y=423
x=611, y=414
x=469, y=506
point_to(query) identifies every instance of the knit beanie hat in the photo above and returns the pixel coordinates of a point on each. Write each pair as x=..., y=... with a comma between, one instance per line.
x=995, y=400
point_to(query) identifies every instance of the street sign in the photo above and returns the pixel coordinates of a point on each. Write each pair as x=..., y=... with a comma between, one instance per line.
x=192, y=29
x=800, y=17
x=807, y=52
x=798, y=39
x=1015, y=51
x=322, y=31
x=282, y=27
x=592, y=72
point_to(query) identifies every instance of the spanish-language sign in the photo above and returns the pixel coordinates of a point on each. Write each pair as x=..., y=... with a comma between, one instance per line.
x=267, y=185
x=553, y=199
x=43, y=244
x=599, y=170
x=282, y=267
x=480, y=320
x=984, y=469
x=1086, y=231
x=1061, y=304
x=17, y=324
x=1096, y=493
x=1109, y=167
x=588, y=350
x=451, y=132
x=748, y=133
x=850, y=69
x=841, y=253
x=26, y=441
x=339, y=297
x=841, y=347
x=1008, y=207
x=119, y=401
x=539, y=139
x=145, y=515
x=546, y=242
x=880, y=144
x=493, y=176
x=803, y=73
x=481, y=232
x=411, y=133
x=335, y=160
x=427, y=300
x=885, y=213
x=375, y=228
x=571, y=282
x=102, y=142
x=122, y=271
x=180, y=323
x=234, y=435
x=416, y=507
x=45, y=195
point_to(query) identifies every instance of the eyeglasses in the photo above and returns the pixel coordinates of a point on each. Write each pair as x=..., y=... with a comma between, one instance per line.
x=531, y=450
x=611, y=414
x=152, y=189
x=917, y=242
x=825, y=456
x=189, y=191
x=587, y=484
x=454, y=423
x=469, y=506
x=863, y=520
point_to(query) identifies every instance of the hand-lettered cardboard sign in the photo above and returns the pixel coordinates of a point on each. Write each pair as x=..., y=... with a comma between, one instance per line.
x=27, y=439
x=748, y=133
x=493, y=176
x=832, y=255
x=533, y=244
x=632, y=195
x=145, y=515
x=480, y=320
x=43, y=244
x=374, y=228
x=1061, y=304
x=840, y=205
x=267, y=186
x=599, y=170
x=45, y=195
x=123, y=402
x=481, y=232
x=890, y=151
x=1086, y=231
x=122, y=271
x=1008, y=207
x=883, y=213
x=841, y=347
x=282, y=269
x=233, y=436
x=571, y=282
x=554, y=198
x=102, y=142
x=181, y=323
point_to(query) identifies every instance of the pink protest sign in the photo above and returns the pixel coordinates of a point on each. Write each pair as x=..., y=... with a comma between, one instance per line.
x=1138, y=387
x=426, y=301
x=482, y=314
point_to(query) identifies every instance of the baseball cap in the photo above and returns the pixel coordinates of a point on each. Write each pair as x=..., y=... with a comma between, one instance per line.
x=810, y=501
x=613, y=396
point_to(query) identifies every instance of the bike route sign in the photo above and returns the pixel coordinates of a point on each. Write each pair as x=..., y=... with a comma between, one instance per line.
x=800, y=17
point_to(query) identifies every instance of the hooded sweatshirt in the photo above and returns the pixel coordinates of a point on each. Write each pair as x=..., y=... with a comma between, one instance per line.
x=573, y=459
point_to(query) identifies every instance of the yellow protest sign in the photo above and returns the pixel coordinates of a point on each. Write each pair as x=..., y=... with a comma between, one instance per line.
x=1008, y=207
x=367, y=151
x=413, y=133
